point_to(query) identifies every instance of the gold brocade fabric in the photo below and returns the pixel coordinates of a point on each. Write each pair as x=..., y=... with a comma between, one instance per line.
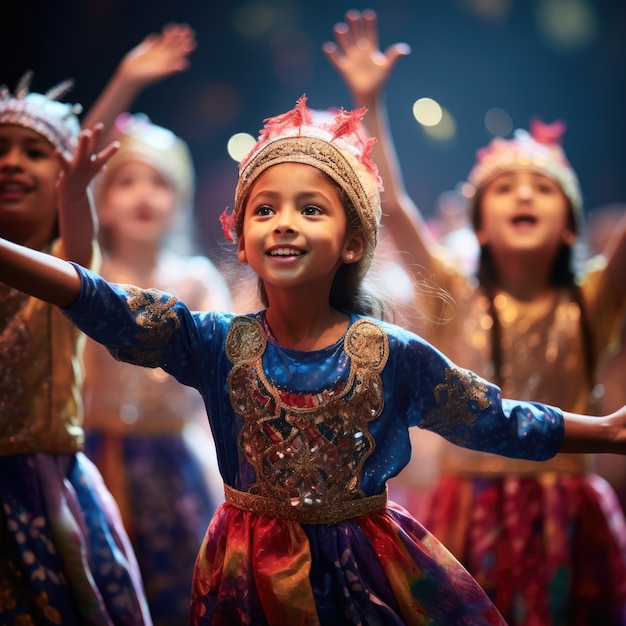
x=541, y=346
x=308, y=450
x=40, y=377
x=331, y=514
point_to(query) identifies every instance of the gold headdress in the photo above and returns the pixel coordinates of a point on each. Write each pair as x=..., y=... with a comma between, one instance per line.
x=56, y=121
x=337, y=146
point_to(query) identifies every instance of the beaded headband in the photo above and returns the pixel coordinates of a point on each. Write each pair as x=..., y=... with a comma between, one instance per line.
x=42, y=113
x=540, y=150
x=335, y=144
x=144, y=142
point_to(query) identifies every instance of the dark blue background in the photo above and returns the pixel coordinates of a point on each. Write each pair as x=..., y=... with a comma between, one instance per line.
x=467, y=61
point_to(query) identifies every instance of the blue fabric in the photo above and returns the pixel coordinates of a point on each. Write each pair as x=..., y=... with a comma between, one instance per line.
x=421, y=386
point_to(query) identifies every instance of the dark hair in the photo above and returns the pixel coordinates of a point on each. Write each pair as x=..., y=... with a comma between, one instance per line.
x=562, y=276
x=348, y=292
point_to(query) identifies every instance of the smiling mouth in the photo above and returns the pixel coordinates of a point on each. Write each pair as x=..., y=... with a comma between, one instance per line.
x=521, y=220
x=285, y=252
x=11, y=188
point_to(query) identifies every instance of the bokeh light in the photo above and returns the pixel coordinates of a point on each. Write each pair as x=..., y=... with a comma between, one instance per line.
x=498, y=122
x=239, y=145
x=427, y=112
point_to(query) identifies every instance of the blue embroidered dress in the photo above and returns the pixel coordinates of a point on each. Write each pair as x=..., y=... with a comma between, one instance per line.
x=306, y=442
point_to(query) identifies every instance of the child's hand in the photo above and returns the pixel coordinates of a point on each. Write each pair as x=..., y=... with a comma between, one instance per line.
x=357, y=57
x=76, y=173
x=159, y=55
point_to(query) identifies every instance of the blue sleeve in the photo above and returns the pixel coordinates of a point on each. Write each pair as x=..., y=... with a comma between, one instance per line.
x=467, y=410
x=147, y=327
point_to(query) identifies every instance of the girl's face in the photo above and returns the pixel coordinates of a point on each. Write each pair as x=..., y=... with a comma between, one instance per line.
x=138, y=204
x=524, y=210
x=295, y=228
x=28, y=199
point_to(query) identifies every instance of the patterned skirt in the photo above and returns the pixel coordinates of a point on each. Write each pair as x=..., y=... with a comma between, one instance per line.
x=379, y=569
x=64, y=555
x=549, y=550
x=166, y=504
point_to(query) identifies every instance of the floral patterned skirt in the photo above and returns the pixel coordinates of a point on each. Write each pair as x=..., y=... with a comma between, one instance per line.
x=380, y=569
x=549, y=549
x=64, y=555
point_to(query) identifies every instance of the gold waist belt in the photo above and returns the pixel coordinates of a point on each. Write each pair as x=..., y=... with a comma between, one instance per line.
x=492, y=465
x=330, y=514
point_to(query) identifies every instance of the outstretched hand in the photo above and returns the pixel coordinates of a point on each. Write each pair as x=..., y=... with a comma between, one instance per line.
x=159, y=55
x=356, y=55
x=76, y=173
x=77, y=215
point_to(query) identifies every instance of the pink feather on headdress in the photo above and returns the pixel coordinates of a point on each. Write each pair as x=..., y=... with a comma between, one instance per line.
x=547, y=134
x=227, y=221
x=299, y=116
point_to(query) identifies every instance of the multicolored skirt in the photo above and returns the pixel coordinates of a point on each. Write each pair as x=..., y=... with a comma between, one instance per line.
x=548, y=549
x=166, y=505
x=378, y=569
x=64, y=555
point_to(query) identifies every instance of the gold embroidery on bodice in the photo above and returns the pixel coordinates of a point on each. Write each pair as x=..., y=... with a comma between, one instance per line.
x=307, y=449
x=15, y=345
x=157, y=317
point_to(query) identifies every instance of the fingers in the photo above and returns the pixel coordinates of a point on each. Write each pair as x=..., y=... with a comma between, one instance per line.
x=397, y=50
x=86, y=161
x=360, y=29
x=331, y=51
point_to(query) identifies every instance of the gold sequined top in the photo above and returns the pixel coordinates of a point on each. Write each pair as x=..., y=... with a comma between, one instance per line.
x=40, y=376
x=541, y=346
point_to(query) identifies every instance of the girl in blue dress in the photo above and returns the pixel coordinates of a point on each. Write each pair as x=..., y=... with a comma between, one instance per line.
x=311, y=399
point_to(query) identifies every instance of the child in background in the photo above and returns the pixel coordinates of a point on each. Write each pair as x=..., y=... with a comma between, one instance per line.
x=546, y=541
x=142, y=426
x=310, y=400
x=64, y=557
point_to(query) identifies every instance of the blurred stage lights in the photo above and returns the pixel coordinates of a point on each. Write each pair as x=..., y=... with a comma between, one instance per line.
x=239, y=145
x=436, y=121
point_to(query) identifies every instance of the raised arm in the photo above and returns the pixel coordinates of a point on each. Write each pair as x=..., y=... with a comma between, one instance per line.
x=365, y=69
x=77, y=218
x=615, y=253
x=155, y=58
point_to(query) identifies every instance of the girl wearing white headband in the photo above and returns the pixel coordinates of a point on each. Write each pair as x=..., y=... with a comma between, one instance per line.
x=547, y=541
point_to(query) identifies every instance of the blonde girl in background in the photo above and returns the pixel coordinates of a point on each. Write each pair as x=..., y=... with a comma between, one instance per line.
x=142, y=425
x=546, y=541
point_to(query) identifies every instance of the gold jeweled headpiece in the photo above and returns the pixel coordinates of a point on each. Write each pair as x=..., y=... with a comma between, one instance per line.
x=42, y=113
x=540, y=150
x=333, y=143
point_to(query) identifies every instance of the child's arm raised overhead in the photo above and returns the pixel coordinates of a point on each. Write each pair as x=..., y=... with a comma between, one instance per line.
x=76, y=212
x=615, y=253
x=365, y=69
x=155, y=58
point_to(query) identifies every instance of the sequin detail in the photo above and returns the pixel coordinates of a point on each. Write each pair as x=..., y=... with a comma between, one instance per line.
x=459, y=400
x=157, y=317
x=307, y=450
